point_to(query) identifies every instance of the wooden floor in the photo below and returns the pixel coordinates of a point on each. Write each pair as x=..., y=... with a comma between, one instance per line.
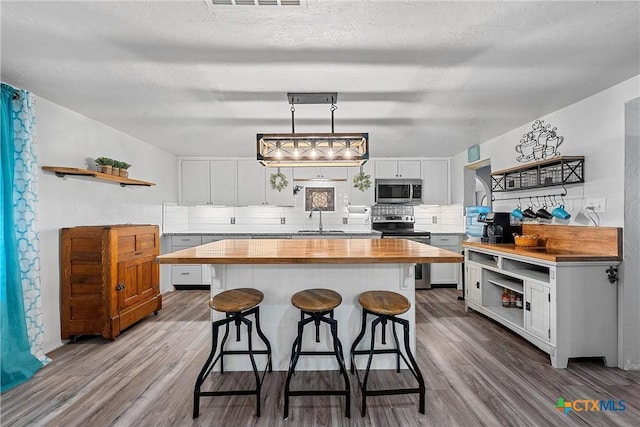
x=476, y=373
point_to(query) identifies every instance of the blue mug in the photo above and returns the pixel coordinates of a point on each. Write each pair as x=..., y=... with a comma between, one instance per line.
x=560, y=213
x=517, y=213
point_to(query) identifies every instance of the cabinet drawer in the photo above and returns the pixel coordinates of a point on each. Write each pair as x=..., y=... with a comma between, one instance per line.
x=209, y=239
x=444, y=240
x=185, y=240
x=186, y=274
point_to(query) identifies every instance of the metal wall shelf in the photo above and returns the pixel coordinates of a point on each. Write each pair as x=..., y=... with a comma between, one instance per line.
x=558, y=171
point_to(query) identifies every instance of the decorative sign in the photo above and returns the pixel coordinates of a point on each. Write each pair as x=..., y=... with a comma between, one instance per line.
x=541, y=143
x=473, y=153
x=322, y=198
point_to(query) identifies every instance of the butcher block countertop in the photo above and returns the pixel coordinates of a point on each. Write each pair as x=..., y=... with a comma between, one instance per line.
x=311, y=251
x=564, y=243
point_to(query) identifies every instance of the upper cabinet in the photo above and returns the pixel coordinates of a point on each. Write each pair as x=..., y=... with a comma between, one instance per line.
x=254, y=185
x=321, y=173
x=390, y=169
x=435, y=182
x=210, y=182
x=357, y=197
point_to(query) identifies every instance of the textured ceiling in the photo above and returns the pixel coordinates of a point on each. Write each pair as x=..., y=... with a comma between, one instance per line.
x=424, y=78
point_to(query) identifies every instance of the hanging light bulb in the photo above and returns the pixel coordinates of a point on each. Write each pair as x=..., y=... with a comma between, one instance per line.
x=330, y=152
x=278, y=151
x=347, y=150
x=296, y=153
x=313, y=153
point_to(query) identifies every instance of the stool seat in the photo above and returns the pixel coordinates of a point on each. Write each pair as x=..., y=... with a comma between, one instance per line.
x=316, y=300
x=236, y=300
x=384, y=302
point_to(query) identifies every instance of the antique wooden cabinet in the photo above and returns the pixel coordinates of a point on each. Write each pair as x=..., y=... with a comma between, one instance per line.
x=109, y=278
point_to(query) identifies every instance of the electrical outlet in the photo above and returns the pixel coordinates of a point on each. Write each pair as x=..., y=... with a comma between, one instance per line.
x=434, y=219
x=345, y=220
x=599, y=204
x=283, y=220
x=233, y=220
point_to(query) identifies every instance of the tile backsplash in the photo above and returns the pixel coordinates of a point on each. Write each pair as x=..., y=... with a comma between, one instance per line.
x=268, y=219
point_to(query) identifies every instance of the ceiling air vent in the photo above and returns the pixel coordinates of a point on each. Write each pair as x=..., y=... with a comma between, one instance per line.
x=218, y=3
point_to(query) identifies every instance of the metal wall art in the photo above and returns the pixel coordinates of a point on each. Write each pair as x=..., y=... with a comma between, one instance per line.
x=539, y=144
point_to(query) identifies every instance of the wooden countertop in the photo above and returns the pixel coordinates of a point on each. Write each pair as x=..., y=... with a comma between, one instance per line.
x=311, y=251
x=542, y=253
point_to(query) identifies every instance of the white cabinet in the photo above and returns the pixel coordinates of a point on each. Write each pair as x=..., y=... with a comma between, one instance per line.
x=446, y=274
x=569, y=309
x=335, y=173
x=208, y=182
x=357, y=197
x=435, y=182
x=472, y=288
x=254, y=185
x=406, y=169
x=537, y=305
x=185, y=275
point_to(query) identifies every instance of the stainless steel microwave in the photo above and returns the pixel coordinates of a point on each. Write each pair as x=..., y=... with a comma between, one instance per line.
x=408, y=191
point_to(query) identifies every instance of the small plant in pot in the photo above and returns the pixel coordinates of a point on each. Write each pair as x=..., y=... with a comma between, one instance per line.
x=124, y=166
x=115, y=168
x=104, y=165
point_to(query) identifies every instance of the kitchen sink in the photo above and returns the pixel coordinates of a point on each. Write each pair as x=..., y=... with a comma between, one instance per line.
x=320, y=232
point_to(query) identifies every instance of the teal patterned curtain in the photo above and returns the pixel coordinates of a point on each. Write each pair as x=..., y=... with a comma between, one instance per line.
x=20, y=311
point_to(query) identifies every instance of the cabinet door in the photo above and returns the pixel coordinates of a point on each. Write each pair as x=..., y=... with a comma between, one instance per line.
x=435, y=182
x=409, y=169
x=137, y=281
x=223, y=182
x=194, y=181
x=279, y=198
x=386, y=169
x=251, y=183
x=357, y=197
x=444, y=274
x=337, y=172
x=537, y=310
x=473, y=280
x=306, y=173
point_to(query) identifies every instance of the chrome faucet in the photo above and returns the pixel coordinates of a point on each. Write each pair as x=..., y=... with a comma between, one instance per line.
x=311, y=214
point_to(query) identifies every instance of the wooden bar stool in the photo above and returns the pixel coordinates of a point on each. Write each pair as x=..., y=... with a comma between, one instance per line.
x=385, y=306
x=237, y=304
x=317, y=305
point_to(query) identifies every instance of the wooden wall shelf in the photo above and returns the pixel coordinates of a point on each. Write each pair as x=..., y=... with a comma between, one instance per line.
x=546, y=173
x=62, y=171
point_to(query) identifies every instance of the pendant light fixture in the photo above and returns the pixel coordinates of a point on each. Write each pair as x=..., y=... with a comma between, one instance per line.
x=312, y=149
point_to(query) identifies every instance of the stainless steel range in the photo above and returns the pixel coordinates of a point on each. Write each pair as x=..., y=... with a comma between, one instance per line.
x=396, y=222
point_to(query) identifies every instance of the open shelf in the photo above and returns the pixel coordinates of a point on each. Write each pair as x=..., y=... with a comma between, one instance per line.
x=545, y=173
x=511, y=284
x=63, y=171
x=512, y=315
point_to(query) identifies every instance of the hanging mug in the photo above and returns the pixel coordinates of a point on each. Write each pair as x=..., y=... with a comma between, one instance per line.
x=529, y=213
x=517, y=213
x=561, y=213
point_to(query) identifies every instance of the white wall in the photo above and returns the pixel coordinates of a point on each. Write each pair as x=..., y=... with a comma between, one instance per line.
x=594, y=128
x=66, y=138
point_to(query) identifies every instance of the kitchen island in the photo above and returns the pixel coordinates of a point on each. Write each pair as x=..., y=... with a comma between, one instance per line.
x=282, y=267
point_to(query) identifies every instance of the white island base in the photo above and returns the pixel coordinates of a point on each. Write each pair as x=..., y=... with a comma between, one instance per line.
x=279, y=318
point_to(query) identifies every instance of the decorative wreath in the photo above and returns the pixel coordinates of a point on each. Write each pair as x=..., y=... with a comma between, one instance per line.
x=362, y=181
x=278, y=181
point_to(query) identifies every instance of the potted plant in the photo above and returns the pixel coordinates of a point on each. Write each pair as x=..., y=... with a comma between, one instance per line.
x=115, y=170
x=123, y=169
x=104, y=164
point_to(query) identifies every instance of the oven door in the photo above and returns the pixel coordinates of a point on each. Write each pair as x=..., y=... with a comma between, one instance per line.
x=423, y=271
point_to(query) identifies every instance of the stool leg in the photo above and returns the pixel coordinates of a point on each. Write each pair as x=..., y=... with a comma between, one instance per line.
x=297, y=347
x=205, y=370
x=405, y=325
x=337, y=348
x=358, y=339
x=366, y=373
x=263, y=338
x=395, y=337
x=224, y=340
x=253, y=363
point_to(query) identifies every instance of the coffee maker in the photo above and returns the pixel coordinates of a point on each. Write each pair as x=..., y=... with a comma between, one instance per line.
x=497, y=227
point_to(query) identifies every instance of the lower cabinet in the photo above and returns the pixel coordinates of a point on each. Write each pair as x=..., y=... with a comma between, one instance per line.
x=446, y=274
x=109, y=278
x=566, y=309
